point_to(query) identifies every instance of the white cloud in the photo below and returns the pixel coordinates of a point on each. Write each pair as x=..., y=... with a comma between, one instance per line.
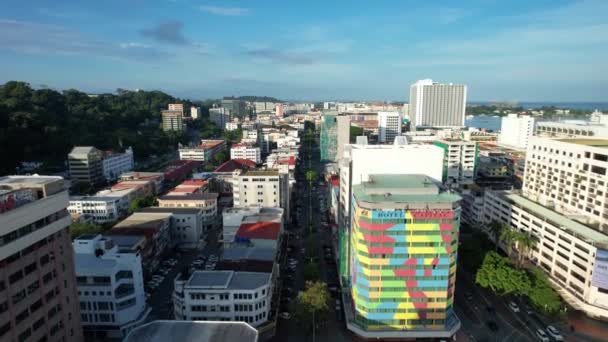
x=225, y=11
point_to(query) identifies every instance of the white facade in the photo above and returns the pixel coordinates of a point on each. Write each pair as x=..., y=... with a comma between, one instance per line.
x=389, y=126
x=116, y=164
x=195, y=112
x=515, y=131
x=246, y=152
x=110, y=287
x=186, y=225
x=231, y=126
x=459, y=161
x=177, y=107
x=98, y=209
x=360, y=161
x=223, y=296
x=437, y=105
x=257, y=188
x=569, y=175
x=569, y=252
x=219, y=116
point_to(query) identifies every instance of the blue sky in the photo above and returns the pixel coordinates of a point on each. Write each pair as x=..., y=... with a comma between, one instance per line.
x=541, y=50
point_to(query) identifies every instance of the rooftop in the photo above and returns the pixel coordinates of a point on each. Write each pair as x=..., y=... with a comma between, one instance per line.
x=89, y=264
x=171, y=210
x=193, y=331
x=260, y=173
x=601, y=143
x=402, y=189
x=210, y=143
x=565, y=223
x=34, y=180
x=83, y=150
x=234, y=164
x=190, y=197
x=251, y=253
x=143, y=220
x=229, y=280
x=259, y=230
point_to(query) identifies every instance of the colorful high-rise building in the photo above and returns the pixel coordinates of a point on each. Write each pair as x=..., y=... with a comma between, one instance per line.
x=401, y=264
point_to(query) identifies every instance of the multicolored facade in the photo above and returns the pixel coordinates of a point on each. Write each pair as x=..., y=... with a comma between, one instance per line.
x=401, y=259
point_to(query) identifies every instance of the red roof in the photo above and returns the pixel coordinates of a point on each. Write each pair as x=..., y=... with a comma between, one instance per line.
x=234, y=164
x=194, y=182
x=290, y=161
x=335, y=180
x=259, y=230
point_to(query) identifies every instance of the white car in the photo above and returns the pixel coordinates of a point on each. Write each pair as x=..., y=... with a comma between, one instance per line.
x=554, y=333
x=541, y=335
x=285, y=315
x=514, y=307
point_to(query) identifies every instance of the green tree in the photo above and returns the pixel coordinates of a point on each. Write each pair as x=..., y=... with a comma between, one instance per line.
x=542, y=295
x=355, y=132
x=312, y=303
x=498, y=274
x=509, y=236
x=495, y=229
x=142, y=202
x=525, y=243
x=78, y=229
x=311, y=177
x=220, y=157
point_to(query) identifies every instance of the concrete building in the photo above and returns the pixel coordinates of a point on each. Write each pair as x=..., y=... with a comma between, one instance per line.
x=222, y=179
x=459, y=161
x=193, y=331
x=232, y=218
x=195, y=112
x=186, y=225
x=342, y=135
x=574, y=255
x=85, y=164
x=176, y=107
x=110, y=288
x=231, y=126
x=279, y=110
x=206, y=201
x=38, y=285
x=223, y=296
x=156, y=177
x=569, y=176
x=219, y=116
x=203, y=152
x=437, y=105
x=389, y=126
x=243, y=151
x=268, y=188
x=115, y=164
x=361, y=160
x=235, y=107
x=399, y=259
x=596, y=126
x=97, y=209
x=173, y=120
x=335, y=135
x=515, y=131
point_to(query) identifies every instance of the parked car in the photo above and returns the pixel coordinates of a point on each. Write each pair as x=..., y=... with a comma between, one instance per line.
x=554, y=333
x=514, y=307
x=542, y=336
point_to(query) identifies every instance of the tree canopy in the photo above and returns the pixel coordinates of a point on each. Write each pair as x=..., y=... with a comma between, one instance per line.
x=44, y=124
x=78, y=229
x=313, y=299
x=142, y=202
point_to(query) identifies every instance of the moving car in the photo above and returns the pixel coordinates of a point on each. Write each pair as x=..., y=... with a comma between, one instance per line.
x=285, y=315
x=554, y=333
x=541, y=335
x=514, y=307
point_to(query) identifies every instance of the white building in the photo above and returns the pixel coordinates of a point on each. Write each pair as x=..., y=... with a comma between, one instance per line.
x=437, y=105
x=219, y=116
x=110, y=288
x=389, y=126
x=231, y=126
x=98, y=209
x=362, y=160
x=115, y=164
x=195, y=112
x=186, y=225
x=569, y=175
x=173, y=120
x=574, y=255
x=459, y=161
x=243, y=151
x=261, y=188
x=597, y=126
x=515, y=131
x=204, y=152
x=223, y=296
x=177, y=107
x=206, y=201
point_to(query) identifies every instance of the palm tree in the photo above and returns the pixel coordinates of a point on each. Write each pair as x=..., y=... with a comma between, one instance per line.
x=525, y=243
x=509, y=236
x=495, y=228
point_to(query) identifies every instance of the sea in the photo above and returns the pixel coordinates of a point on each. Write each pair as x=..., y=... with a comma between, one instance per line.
x=492, y=122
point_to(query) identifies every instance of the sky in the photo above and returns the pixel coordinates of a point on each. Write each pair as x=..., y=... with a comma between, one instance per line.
x=516, y=50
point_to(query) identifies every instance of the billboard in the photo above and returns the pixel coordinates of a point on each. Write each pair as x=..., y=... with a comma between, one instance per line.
x=600, y=270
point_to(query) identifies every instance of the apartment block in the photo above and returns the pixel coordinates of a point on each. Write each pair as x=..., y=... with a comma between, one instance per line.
x=574, y=255
x=223, y=296
x=206, y=201
x=173, y=120
x=204, y=152
x=115, y=164
x=459, y=161
x=269, y=188
x=243, y=151
x=186, y=225
x=437, y=105
x=569, y=175
x=389, y=126
x=110, y=288
x=86, y=166
x=515, y=131
x=37, y=279
x=219, y=116
x=179, y=107
x=195, y=112
x=399, y=259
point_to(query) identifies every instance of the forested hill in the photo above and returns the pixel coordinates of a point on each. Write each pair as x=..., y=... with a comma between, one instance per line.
x=44, y=124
